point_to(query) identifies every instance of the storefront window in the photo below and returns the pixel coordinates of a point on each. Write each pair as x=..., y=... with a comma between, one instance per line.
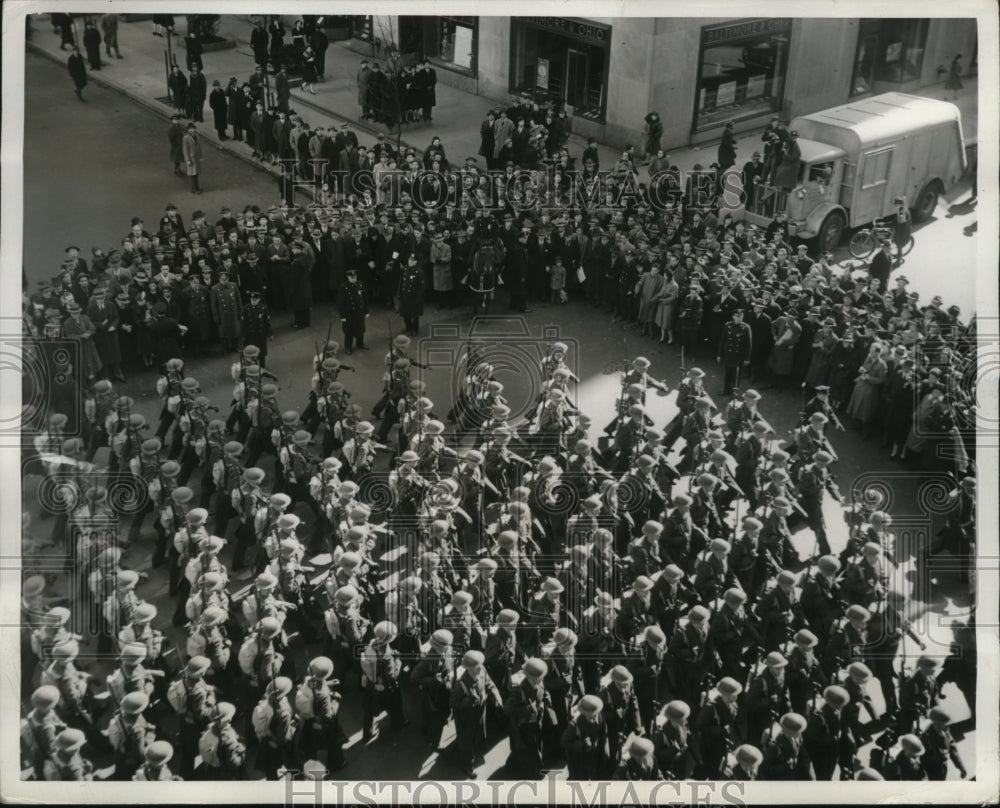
x=561, y=61
x=889, y=50
x=741, y=70
x=452, y=41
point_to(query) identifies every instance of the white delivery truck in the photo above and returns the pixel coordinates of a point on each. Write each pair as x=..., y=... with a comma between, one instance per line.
x=859, y=157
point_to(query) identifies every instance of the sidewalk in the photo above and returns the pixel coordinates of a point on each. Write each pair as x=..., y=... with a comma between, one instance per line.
x=457, y=116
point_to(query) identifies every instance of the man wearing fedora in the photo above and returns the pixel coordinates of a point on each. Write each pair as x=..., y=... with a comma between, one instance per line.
x=191, y=149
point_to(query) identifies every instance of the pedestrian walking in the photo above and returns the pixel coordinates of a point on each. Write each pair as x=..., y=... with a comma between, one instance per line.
x=77, y=71
x=319, y=43
x=308, y=70
x=651, y=136
x=219, y=105
x=954, y=81
x=63, y=23
x=109, y=24
x=175, y=135
x=191, y=147
x=92, y=44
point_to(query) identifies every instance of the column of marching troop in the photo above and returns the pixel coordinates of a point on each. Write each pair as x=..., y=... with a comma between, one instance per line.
x=606, y=607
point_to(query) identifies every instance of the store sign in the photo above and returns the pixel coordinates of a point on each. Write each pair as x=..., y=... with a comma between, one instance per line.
x=745, y=29
x=581, y=29
x=542, y=74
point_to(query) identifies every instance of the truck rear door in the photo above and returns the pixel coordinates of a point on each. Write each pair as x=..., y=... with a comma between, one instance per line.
x=871, y=185
x=920, y=164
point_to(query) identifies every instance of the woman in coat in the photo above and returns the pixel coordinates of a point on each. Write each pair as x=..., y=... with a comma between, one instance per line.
x=486, y=142
x=867, y=395
x=787, y=332
x=178, y=85
x=410, y=293
x=824, y=348
x=442, y=274
x=308, y=70
x=79, y=328
x=787, y=173
x=436, y=147
x=430, y=91
x=648, y=291
x=665, y=311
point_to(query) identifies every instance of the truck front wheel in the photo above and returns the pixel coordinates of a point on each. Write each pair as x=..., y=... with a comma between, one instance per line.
x=831, y=232
x=927, y=202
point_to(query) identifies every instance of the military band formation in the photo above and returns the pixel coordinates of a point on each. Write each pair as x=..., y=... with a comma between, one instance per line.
x=627, y=603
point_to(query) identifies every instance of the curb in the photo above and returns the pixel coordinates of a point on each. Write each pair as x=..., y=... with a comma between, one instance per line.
x=363, y=126
x=159, y=109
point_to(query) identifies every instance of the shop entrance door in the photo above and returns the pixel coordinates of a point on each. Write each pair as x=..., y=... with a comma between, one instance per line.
x=577, y=77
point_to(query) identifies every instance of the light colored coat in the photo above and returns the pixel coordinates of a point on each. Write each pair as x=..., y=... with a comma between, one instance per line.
x=191, y=146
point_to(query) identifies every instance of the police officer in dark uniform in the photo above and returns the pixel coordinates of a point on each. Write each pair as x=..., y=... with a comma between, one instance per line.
x=734, y=351
x=353, y=308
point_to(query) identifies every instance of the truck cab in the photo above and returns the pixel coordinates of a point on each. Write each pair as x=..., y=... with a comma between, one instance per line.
x=856, y=158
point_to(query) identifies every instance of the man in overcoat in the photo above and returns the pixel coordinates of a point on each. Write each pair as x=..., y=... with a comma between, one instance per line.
x=191, y=147
x=175, y=134
x=197, y=93
x=104, y=315
x=77, y=71
x=227, y=310
x=353, y=307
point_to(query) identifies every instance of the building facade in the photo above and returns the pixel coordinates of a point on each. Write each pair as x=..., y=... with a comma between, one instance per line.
x=698, y=73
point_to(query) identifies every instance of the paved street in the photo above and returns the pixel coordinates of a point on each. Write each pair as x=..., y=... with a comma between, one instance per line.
x=91, y=166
